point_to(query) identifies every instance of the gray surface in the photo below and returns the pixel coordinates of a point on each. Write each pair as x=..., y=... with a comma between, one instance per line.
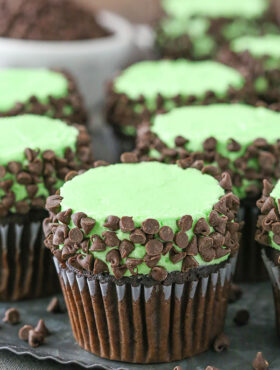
x=258, y=335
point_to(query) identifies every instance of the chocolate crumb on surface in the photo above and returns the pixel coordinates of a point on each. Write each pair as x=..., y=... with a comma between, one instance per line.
x=241, y=317
x=221, y=343
x=12, y=316
x=259, y=362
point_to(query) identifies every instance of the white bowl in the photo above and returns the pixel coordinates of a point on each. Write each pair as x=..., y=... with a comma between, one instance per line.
x=92, y=62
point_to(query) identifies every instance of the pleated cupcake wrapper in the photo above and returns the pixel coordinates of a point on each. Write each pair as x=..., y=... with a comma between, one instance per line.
x=250, y=266
x=274, y=275
x=26, y=269
x=143, y=324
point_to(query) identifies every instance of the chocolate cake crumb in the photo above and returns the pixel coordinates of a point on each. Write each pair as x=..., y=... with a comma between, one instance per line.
x=221, y=343
x=12, y=316
x=54, y=306
x=241, y=318
x=259, y=362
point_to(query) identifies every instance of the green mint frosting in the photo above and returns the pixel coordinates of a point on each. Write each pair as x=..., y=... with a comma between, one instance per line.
x=215, y=8
x=240, y=122
x=176, y=77
x=143, y=190
x=18, y=85
x=34, y=132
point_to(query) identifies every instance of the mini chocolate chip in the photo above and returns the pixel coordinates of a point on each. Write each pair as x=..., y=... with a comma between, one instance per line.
x=22, y=207
x=24, y=331
x=150, y=226
x=54, y=306
x=53, y=203
x=241, y=318
x=126, y=247
x=85, y=246
x=276, y=228
x=201, y=227
x=225, y=181
x=87, y=224
x=70, y=175
x=129, y=157
x=65, y=216
x=151, y=261
x=181, y=239
x=210, y=144
x=97, y=244
x=36, y=166
x=68, y=251
x=14, y=167
x=233, y=146
x=76, y=218
x=48, y=155
x=99, y=267
x=6, y=185
x=221, y=343
x=176, y=256
x=268, y=204
x=259, y=362
x=2, y=172
x=12, y=316
x=210, y=170
x=154, y=247
x=198, y=164
x=206, y=250
x=127, y=224
x=24, y=178
x=185, y=223
x=111, y=239
x=263, y=238
x=235, y=293
x=41, y=328
x=60, y=234
x=112, y=223
x=114, y=257
x=32, y=190
x=137, y=237
x=119, y=271
x=221, y=252
x=30, y=154
x=260, y=143
x=35, y=339
x=218, y=240
x=159, y=273
x=180, y=141
x=191, y=249
x=100, y=163
x=86, y=262
x=166, y=234
x=267, y=188
x=167, y=247
x=132, y=264
x=76, y=235
x=189, y=263
x=218, y=222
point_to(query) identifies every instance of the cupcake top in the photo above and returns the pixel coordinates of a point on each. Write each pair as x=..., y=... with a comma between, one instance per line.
x=36, y=152
x=215, y=8
x=142, y=218
x=235, y=128
x=22, y=84
x=176, y=78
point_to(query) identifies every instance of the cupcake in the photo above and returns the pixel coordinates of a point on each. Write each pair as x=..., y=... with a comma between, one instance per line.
x=268, y=234
x=144, y=253
x=147, y=87
x=237, y=138
x=259, y=58
x=197, y=29
x=41, y=91
x=36, y=153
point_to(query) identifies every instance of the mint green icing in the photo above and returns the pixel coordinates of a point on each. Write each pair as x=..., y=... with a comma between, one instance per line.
x=18, y=85
x=34, y=132
x=215, y=8
x=143, y=190
x=176, y=77
x=240, y=122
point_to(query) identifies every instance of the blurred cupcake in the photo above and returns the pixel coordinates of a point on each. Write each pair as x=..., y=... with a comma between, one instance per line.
x=268, y=234
x=41, y=91
x=236, y=138
x=36, y=153
x=144, y=253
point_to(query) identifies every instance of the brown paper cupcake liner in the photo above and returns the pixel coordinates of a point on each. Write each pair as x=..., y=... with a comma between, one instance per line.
x=249, y=266
x=274, y=276
x=24, y=261
x=141, y=324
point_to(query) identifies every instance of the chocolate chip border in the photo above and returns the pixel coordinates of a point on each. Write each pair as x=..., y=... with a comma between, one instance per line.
x=74, y=99
x=42, y=167
x=156, y=240
x=267, y=155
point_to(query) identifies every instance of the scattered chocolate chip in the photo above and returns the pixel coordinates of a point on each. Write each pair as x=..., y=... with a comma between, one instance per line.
x=41, y=328
x=151, y=261
x=22, y=207
x=99, y=267
x=267, y=188
x=166, y=234
x=60, y=234
x=30, y=154
x=70, y=175
x=185, y=223
x=181, y=239
x=111, y=239
x=210, y=144
x=97, y=244
x=154, y=247
x=167, y=247
x=2, y=172
x=225, y=181
x=127, y=224
x=87, y=224
x=126, y=247
x=150, y=226
x=14, y=167
x=218, y=240
x=205, y=247
x=191, y=249
x=100, y=163
x=112, y=223
x=159, y=273
x=114, y=257
x=54, y=306
x=32, y=190
x=233, y=146
x=53, y=203
x=24, y=178
x=241, y=318
x=86, y=262
x=76, y=235
x=210, y=170
x=129, y=157
x=35, y=339
x=259, y=362
x=68, y=251
x=218, y=222
x=132, y=264
x=12, y=316
x=180, y=141
x=119, y=271
x=176, y=256
x=221, y=343
x=24, y=331
x=65, y=216
x=201, y=227
x=189, y=263
x=137, y=237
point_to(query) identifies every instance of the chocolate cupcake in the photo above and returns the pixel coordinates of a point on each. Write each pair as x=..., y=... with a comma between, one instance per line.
x=150, y=86
x=237, y=138
x=36, y=154
x=268, y=234
x=259, y=58
x=144, y=253
x=41, y=91
x=197, y=29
